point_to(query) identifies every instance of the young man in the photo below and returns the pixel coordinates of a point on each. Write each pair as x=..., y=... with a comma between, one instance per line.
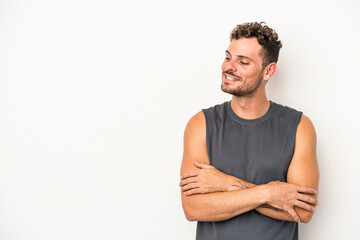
x=249, y=168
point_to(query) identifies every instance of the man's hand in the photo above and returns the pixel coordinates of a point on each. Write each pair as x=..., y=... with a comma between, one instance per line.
x=207, y=179
x=281, y=195
x=286, y=196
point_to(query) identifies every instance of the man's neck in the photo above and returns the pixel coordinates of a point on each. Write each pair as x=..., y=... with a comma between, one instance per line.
x=250, y=108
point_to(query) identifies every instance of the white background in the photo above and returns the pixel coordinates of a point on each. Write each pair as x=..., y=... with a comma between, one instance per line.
x=95, y=96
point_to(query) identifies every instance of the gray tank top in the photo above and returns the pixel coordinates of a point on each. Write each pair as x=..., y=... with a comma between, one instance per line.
x=257, y=150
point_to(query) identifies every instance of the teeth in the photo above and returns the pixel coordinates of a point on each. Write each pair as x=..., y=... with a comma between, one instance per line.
x=230, y=78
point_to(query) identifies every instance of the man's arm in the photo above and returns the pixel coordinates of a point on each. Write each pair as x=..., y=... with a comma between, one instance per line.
x=303, y=170
x=217, y=206
x=209, y=179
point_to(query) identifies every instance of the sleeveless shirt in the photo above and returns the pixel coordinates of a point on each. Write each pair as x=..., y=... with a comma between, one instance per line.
x=257, y=150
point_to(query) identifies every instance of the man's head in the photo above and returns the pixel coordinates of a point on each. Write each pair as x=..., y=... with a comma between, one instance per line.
x=250, y=59
x=265, y=36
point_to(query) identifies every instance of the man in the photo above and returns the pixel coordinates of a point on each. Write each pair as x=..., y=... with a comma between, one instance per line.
x=249, y=168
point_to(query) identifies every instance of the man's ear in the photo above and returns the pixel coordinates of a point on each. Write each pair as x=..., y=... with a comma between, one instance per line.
x=269, y=71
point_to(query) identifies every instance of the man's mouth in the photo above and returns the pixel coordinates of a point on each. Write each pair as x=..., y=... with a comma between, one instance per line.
x=231, y=78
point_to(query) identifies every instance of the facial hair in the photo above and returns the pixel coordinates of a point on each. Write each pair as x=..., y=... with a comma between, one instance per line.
x=242, y=91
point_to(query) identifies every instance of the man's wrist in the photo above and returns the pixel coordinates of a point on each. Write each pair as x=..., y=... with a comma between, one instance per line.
x=236, y=184
x=264, y=194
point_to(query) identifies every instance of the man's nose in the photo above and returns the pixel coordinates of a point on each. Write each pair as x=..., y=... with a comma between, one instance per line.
x=230, y=66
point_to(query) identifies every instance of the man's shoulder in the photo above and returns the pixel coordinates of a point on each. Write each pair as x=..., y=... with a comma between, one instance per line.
x=285, y=112
x=202, y=118
x=295, y=112
x=284, y=108
x=284, y=116
x=216, y=107
x=214, y=110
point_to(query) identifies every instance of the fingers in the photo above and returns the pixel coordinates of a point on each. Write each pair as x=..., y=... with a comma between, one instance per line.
x=189, y=174
x=187, y=181
x=303, y=189
x=202, y=165
x=305, y=206
x=307, y=199
x=196, y=172
x=189, y=184
x=189, y=187
x=293, y=214
x=192, y=191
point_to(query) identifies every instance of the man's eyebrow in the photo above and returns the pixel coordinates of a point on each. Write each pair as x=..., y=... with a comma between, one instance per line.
x=239, y=56
x=242, y=56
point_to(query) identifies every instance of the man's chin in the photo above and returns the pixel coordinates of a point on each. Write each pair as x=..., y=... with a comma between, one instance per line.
x=227, y=89
x=236, y=92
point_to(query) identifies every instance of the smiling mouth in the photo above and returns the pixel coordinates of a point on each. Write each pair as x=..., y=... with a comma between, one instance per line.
x=231, y=78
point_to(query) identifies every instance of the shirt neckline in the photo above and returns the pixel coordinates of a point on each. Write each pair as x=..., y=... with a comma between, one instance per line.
x=234, y=116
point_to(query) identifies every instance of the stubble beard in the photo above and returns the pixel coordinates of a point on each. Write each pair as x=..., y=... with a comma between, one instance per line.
x=242, y=91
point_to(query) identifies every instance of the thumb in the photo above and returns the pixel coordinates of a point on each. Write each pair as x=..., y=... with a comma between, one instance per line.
x=202, y=165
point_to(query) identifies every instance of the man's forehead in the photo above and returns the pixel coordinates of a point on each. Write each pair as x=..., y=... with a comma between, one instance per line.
x=238, y=55
x=247, y=47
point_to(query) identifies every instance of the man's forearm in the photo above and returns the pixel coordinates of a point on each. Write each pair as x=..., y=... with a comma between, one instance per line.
x=264, y=209
x=219, y=206
x=211, y=195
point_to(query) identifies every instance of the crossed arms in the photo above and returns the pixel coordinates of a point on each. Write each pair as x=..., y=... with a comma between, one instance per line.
x=210, y=195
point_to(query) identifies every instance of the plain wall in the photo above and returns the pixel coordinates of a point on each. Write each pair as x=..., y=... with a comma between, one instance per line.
x=95, y=96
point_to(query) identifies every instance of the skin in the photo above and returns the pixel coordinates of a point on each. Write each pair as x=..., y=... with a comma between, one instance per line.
x=211, y=195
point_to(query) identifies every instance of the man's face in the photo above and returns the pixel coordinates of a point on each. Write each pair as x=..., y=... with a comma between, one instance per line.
x=242, y=71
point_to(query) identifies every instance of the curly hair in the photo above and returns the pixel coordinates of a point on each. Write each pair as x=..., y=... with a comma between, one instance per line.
x=265, y=36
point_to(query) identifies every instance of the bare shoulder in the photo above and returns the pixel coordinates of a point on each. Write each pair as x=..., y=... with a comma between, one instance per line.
x=196, y=123
x=195, y=148
x=306, y=134
x=306, y=124
x=195, y=132
x=303, y=169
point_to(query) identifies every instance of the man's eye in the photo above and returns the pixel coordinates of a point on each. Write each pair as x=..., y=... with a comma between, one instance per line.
x=245, y=63
x=228, y=59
